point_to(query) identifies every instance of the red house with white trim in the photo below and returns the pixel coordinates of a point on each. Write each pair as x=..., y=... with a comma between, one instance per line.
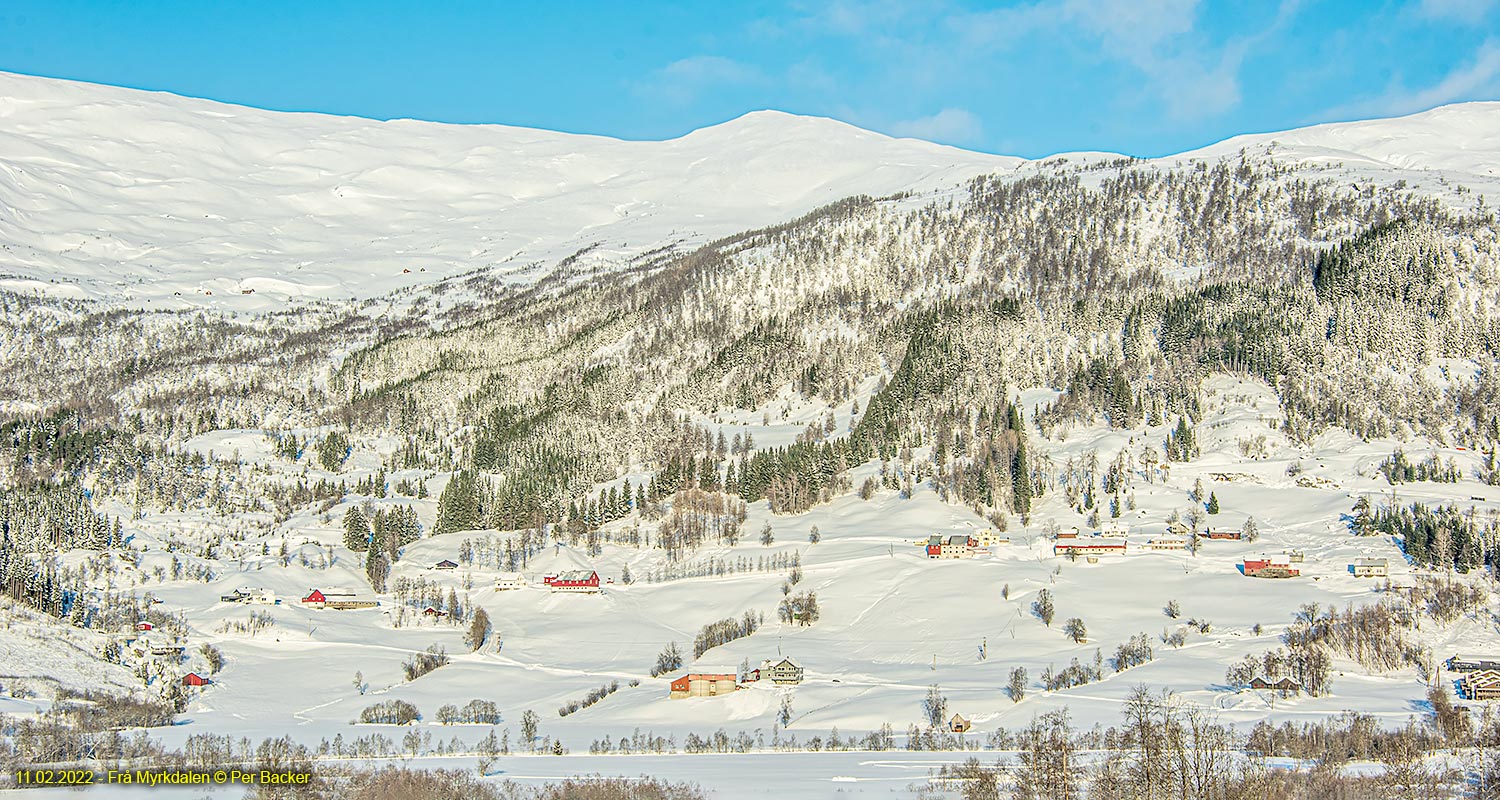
x=574, y=580
x=194, y=679
x=315, y=599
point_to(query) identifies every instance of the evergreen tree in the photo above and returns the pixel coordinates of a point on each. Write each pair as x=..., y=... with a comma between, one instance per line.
x=377, y=569
x=333, y=451
x=1020, y=476
x=1181, y=444
x=356, y=530
x=1364, y=523
x=459, y=504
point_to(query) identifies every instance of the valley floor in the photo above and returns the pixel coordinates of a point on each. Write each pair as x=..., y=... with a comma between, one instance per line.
x=893, y=622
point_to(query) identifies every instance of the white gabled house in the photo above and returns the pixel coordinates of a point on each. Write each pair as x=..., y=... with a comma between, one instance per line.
x=784, y=671
x=989, y=538
x=250, y=594
x=1114, y=529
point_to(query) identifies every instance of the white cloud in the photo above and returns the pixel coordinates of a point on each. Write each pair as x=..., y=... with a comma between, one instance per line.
x=682, y=81
x=1479, y=78
x=1468, y=11
x=1131, y=30
x=862, y=18
x=951, y=125
x=1190, y=76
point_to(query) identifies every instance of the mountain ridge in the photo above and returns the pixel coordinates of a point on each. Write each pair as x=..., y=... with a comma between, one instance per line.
x=206, y=204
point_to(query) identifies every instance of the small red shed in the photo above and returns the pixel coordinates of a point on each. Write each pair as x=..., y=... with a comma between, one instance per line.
x=194, y=679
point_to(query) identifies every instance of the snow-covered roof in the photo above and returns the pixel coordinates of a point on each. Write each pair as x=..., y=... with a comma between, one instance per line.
x=575, y=575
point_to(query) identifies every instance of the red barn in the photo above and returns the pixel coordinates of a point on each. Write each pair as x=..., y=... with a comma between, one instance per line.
x=704, y=684
x=144, y=626
x=315, y=598
x=1270, y=568
x=194, y=679
x=576, y=580
x=1231, y=535
x=1091, y=546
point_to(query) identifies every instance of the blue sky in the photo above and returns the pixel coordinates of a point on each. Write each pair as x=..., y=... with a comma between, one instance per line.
x=1143, y=77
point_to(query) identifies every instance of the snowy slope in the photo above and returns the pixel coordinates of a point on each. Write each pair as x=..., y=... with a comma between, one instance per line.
x=129, y=196
x=892, y=622
x=1463, y=138
x=121, y=194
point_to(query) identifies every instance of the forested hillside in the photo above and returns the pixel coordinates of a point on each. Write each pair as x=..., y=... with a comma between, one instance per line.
x=1119, y=285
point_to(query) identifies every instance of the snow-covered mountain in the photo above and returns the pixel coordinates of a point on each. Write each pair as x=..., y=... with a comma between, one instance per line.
x=127, y=194
x=750, y=441
x=1461, y=140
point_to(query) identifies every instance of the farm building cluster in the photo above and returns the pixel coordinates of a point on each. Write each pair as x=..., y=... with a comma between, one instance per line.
x=1111, y=539
x=1270, y=567
x=586, y=581
x=338, y=598
x=712, y=682
x=158, y=653
x=1479, y=676
x=961, y=545
x=956, y=546
x=573, y=580
x=250, y=594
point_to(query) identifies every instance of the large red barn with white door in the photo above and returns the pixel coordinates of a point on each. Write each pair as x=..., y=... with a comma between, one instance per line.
x=576, y=580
